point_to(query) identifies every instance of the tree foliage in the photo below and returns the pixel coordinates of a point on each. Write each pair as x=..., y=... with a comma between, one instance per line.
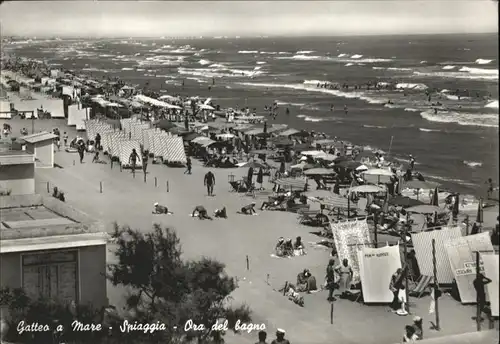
x=164, y=289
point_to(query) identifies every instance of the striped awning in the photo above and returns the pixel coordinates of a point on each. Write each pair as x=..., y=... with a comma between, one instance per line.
x=336, y=201
x=291, y=183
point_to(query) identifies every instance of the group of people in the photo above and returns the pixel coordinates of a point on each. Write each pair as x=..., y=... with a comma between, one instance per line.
x=285, y=248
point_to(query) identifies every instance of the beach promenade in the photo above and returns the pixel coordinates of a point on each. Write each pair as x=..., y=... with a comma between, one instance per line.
x=130, y=201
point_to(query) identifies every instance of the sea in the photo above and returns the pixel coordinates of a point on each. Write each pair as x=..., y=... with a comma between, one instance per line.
x=456, y=146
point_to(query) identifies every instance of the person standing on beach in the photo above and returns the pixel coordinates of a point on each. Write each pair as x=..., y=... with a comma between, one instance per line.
x=145, y=157
x=262, y=337
x=98, y=141
x=81, y=152
x=132, y=160
x=188, y=166
x=479, y=283
x=209, y=182
x=280, y=337
x=412, y=162
x=65, y=138
x=330, y=279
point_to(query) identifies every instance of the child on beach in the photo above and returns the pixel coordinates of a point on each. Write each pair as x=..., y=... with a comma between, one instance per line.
x=65, y=138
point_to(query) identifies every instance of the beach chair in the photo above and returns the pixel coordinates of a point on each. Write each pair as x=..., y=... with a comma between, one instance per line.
x=307, y=216
x=423, y=284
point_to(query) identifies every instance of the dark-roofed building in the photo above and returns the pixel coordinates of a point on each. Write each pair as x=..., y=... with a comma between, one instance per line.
x=51, y=249
x=17, y=172
x=42, y=146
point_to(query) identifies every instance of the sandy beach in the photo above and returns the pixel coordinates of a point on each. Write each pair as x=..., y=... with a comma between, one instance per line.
x=129, y=200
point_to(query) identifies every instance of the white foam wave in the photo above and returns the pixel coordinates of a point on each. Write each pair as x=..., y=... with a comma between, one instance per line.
x=411, y=86
x=210, y=73
x=479, y=71
x=300, y=52
x=356, y=56
x=473, y=164
x=423, y=62
x=342, y=55
x=458, y=75
x=203, y=62
x=127, y=68
x=444, y=91
x=451, y=180
x=465, y=119
x=483, y=61
x=399, y=69
x=411, y=110
x=374, y=126
x=349, y=64
x=306, y=57
x=217, y=65
x=288, y=103
x=428, y=130
x=257, y=68
x=448, y=67
x=492, y=105
x=268, y=52
x=454, y=97
x=261, y=62
x=315, y=82
x=248, y=52
x=311, y=119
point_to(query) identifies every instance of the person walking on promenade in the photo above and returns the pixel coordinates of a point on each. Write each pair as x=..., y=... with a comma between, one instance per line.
x=209, y=182
x=132, y=160
x=188, y=166
x=145, y=157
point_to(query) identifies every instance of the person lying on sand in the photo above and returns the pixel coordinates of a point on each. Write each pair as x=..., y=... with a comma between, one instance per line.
x=293, y=295
x=221, y=213
x=249, y=209
x=160, y=209
x=201, y=212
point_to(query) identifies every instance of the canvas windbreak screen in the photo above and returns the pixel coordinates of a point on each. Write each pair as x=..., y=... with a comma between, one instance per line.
x=422, y=243
x=491, y=267
x=350, y=236
x=376, y=267
x=462, y=257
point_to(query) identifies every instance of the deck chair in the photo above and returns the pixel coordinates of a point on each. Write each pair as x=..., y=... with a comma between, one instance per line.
x=422, y=285
x=307, y=216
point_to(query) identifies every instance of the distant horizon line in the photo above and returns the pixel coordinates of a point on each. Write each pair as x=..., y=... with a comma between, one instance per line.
x=246, y=36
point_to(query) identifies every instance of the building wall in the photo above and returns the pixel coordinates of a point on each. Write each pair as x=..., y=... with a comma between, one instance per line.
x=44, y=154
x=91, y=280
x=20, y=179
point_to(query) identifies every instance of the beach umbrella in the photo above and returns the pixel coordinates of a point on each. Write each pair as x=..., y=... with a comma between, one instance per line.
x=349, y=165
x=319, y=171
x=362, y=168
x=479, y=216
x=225, y=136
x=206, y=107
x=164, y=124
x=367, y=189
x=190, y=136
x=435, y=198
x=253, y=164
x=404, y=201
x=425, y=209
x=378, y=172
x=260, y=176
x=250, y=175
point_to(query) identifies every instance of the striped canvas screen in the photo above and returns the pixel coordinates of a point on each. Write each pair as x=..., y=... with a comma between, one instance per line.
x=422, y=243
x=462, y=257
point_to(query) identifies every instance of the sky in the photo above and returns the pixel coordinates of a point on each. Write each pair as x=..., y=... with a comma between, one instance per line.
x=245, y=18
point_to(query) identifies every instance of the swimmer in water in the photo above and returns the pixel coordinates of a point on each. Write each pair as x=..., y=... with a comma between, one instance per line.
x=435, y=111
x=287, y=111
x=345, y=109
x=332, y=108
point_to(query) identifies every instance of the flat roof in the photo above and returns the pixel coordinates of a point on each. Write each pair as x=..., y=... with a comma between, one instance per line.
x=16, y=157
x=42, y=218
x=38, y=137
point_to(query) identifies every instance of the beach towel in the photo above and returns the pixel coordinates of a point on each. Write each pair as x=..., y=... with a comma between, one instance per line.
x=349, y=236
x=462, y=258
x=376, y=267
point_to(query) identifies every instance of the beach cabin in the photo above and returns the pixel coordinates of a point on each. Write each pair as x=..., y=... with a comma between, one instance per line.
x=50, y=249
x=42, y=146
x=17, y=173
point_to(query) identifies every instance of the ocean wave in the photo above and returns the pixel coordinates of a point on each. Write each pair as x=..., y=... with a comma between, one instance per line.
x=428, y=130
x=278, y=102
x=458, y=75
x=465, y=119
x=315, y=82
x=306, y=57
x=483, y=61
x=248, y=52
x=374, y=126
x=423, y=62
x=257, y=68
x=349, y=64
x=449, y=67
x=210, y=73
x=268, y=52
x=450, y=180
x=216, y=65
x=300, y=52
x=412, y=86
x=399, y=69
x=473, y=164
x=482, y=71
x=492, y=105
x=373, y=149
x=203, y=62
x=411, y=110
x=260, y=62
x=342, y=55
x=356, y=56
x=127, y=68
x=311, y=119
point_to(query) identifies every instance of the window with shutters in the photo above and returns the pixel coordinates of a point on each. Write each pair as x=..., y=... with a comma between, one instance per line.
x=52, y=275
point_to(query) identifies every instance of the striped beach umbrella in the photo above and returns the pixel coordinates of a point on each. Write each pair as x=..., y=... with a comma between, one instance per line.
x=479, y=216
